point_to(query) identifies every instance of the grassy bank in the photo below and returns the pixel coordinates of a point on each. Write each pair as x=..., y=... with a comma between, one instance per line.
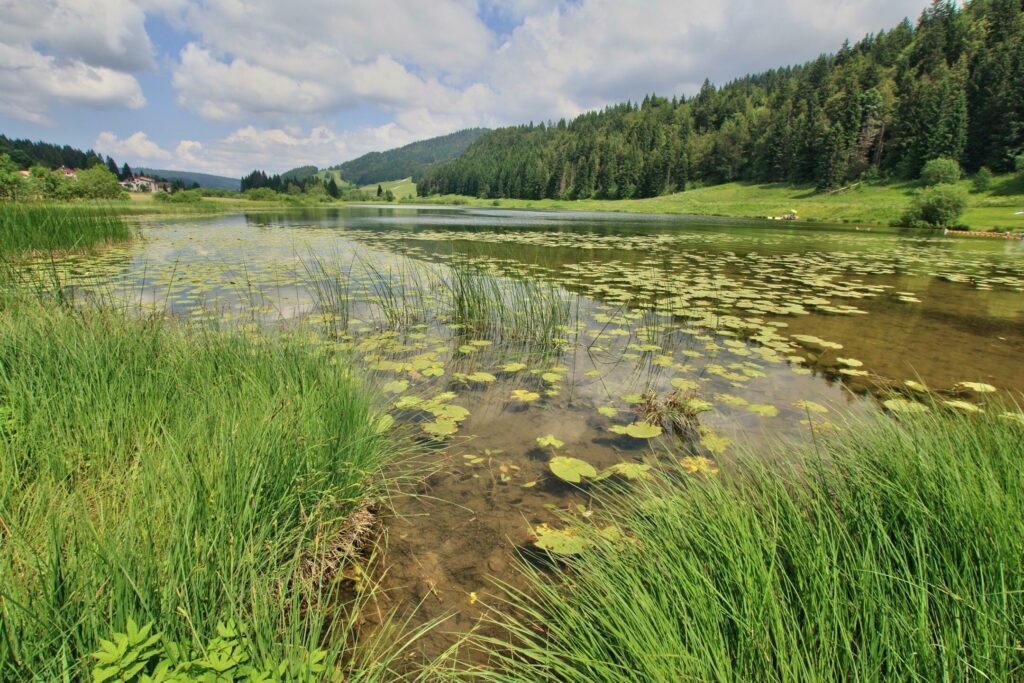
x=56, y=227
x=874, y=204
x=893, y=554
x=184, y=478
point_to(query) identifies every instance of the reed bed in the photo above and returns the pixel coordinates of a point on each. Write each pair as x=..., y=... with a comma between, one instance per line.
x=58, y=227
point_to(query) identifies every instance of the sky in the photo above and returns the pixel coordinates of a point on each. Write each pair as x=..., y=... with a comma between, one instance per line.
x=226, y=86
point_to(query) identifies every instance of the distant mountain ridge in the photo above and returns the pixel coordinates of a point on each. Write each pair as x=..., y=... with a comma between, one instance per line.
x=189, y=177
x=412, y=160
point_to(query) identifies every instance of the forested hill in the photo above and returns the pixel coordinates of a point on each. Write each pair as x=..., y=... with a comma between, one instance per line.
x=26, y=153
x=951, y=86
x=411, y=160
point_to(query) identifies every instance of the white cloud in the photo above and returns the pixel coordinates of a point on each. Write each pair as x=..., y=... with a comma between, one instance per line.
x=271, y=59
x=31, y=83
x=432, y=62
x=137, y=147
x=70, y=52
x=586, y=54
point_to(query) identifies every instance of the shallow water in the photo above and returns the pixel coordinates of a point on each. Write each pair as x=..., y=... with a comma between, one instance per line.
x=780, y=330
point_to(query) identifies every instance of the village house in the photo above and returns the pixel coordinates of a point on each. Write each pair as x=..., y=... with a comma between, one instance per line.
x=143, y=183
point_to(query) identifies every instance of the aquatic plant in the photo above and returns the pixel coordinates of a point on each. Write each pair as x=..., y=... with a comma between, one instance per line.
x=891, y=553
x=505, y=308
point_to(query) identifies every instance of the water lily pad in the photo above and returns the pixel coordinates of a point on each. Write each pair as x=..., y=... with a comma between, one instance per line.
x=396, y=387
x=440, y=428
x=683, y=384
x=549, y=440
x=572, y=470
x=633, y=471
x=608, y=411
x=902, y=405
x=449, y=411
x=513, y=367
x=963, y=406
x=696, y=405
x=976, y=387
x=696, y=464
x=559, y=541
x=716, y=444
x=811, y=407
x=643, y=430
x=915, y=386
x=482, y=377
x=407, y=402
x=524, y=395
x=763, y=409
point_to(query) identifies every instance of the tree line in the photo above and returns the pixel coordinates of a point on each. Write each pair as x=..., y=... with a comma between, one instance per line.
x=951, y=86
x=293, y=184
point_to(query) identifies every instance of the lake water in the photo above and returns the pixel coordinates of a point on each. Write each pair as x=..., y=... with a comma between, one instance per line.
x=724, y=334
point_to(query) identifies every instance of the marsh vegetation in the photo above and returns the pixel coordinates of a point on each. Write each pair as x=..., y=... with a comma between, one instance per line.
x=770, y=418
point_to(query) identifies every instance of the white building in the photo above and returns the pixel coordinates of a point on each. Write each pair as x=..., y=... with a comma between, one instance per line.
x=141, y=183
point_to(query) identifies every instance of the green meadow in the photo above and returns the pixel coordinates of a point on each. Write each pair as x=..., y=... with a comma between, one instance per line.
x=866, y=204
x=402, y=189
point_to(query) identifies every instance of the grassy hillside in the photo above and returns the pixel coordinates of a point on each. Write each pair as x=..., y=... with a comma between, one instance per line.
x=409, y=161
x=402, y=189
x=876, y=204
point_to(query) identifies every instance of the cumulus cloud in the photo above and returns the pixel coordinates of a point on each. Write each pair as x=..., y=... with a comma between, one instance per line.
x=137, y=147
x=71, y=52
x=585, y=54
x=32, y=82
x=273, y=60
x=276, y=59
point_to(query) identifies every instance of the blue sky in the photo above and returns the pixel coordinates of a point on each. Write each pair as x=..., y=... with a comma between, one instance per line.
x=225, y=86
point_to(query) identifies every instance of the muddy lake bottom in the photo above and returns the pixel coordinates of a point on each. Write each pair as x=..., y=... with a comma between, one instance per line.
x=501, y=340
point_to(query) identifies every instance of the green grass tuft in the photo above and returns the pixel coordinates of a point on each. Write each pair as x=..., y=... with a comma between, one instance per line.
x=171, y=475
x=893, y=555
x=58, y=227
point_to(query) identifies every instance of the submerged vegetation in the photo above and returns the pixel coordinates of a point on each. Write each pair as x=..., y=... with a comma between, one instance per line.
x=890, y=553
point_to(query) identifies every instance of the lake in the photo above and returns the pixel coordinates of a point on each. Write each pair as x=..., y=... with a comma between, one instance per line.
x=506, y=342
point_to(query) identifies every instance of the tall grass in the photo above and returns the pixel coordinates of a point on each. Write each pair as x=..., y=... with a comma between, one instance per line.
x=163, y=474
x=894, y=554
x=481, y=303
x=512, y=309
x=57, y=227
